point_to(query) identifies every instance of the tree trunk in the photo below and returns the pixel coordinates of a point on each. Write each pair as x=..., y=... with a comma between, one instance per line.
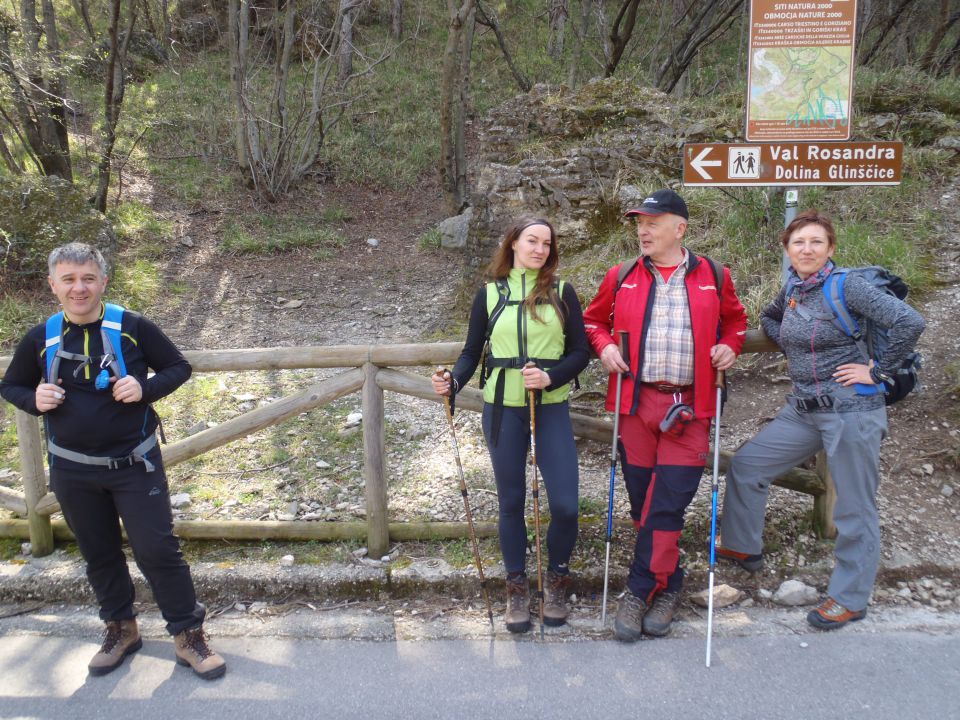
x=557, y=11
x=620, y=34
x=712, y=18
x=348, y=14
x=12, y=165
x=886, y=26
x=112, y=100
x=945, y=22
x=396, y=19
x=451, y=117
x=81, y=8
x=579, y=35
x=165, y=19
x=489, y=19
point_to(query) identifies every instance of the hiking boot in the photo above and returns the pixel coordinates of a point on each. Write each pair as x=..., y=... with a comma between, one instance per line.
x=518, y=605
x=192, y=649
x=658, y=618
x=830, y=615
x=750, y=563
x=120, y=638
x=628, y=627
x=555, y=608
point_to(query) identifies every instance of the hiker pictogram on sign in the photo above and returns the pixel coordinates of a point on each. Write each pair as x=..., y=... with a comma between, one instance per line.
x=743, y=162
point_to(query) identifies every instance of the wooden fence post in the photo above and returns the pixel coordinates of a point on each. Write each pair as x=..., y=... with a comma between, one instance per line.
x=378, y=531
x=823, y=504
x=34, y=482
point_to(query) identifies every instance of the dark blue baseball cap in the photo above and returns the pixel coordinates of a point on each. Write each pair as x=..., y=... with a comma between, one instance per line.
x=660, y=203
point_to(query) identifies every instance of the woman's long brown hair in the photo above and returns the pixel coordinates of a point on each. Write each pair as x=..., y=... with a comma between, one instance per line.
x=544, y=291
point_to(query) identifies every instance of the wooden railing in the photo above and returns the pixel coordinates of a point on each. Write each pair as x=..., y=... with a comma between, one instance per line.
x=373, y=371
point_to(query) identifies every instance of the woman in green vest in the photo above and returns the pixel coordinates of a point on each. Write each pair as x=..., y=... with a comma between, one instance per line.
x=527, y=329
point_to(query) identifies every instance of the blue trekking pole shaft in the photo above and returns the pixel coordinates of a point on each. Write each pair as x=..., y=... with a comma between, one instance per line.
x=613, y=478
x=714, y=490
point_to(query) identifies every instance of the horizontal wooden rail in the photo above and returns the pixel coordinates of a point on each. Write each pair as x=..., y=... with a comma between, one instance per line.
x=332, y=356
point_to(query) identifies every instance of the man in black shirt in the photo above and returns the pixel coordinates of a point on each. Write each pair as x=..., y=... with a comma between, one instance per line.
x=85, y=372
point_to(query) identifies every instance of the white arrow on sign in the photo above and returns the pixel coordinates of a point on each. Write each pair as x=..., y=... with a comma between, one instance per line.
x=699, y=163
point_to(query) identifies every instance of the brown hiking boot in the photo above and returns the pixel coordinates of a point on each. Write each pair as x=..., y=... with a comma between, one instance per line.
x=120, y=638
x=555, y=608
x=658, y=618
x=518, y=605
x=628, y=627
x=192, y=649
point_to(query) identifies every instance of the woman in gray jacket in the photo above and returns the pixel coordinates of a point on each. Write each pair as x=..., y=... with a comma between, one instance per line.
x=837, y=405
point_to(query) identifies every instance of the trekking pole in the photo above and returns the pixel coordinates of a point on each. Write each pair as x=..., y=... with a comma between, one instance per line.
x=532, y=394
x=613, y=476
x=714, y=488
x=466, y=502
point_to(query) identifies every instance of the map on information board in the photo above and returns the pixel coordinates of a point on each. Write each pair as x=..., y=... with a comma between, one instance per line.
x=801, y=70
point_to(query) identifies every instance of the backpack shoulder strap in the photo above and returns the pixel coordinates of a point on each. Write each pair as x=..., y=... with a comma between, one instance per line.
x=718, y=274
x=625, y=269
x=54, y=332
x=110, y=329
x=843, y=320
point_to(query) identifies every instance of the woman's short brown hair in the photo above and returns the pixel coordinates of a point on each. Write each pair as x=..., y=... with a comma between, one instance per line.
x=809, y=217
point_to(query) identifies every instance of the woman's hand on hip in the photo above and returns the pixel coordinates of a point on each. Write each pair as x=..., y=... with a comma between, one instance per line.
x=853, y=373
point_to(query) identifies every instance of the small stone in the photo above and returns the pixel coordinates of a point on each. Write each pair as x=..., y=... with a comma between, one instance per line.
x=354, y=418
x=197, y=427
x=186, y=241
x=927, y=468
x=947, y=491
x=244, y=397
x=293, y=507
x=793, y=593
x=373, y=242
x=179, y=500
x=747, y=603
x=286, y=517
x=359, y=552
x=321, y=465
x=258, y=606
x=385, y=558
x=26, y=548
x=804, y=645
x=723, y=596
x=240, y=607
x=905, y=593
x=292, y=305
x=287, y=561
x=765, y=594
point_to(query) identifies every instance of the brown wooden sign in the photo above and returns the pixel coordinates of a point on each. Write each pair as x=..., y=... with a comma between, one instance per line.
x=793, y=163
x=800, y=70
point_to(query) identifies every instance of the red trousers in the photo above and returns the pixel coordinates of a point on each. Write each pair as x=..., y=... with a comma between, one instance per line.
x=662, y=472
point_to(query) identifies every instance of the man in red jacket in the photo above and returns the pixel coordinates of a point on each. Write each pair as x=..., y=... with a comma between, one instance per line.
x=680, y=322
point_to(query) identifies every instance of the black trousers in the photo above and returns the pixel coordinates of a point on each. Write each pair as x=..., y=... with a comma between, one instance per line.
x=93, y=503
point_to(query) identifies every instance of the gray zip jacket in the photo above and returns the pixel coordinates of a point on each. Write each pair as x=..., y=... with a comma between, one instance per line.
x=815, y=347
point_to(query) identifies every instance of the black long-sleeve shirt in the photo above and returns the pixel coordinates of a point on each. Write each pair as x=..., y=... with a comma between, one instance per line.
x=90, y=421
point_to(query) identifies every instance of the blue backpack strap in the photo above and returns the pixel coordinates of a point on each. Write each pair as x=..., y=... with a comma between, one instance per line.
x=110, y=333
x=54, y=332
x=837, y=304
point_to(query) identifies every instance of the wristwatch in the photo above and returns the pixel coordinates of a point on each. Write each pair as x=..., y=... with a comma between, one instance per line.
x=879, y=376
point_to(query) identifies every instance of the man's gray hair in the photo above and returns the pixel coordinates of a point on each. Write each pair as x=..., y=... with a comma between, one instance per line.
x=76, y=253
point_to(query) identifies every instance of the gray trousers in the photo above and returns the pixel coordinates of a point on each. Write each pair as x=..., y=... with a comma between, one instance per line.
x=852, y=444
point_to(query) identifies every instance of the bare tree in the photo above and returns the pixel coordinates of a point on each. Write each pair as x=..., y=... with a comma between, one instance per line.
x=348, y=16
x=946, y=21
x=83, y=10
x=882, y=34
x=454, y=78
x=557, y=12
x=711, y=19
x=113, y=99
x=284, y=112
x=487, y=17
x=396, y=19
x=30, y=63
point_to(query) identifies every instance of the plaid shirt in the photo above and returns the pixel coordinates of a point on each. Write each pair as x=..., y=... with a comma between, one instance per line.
x=668, y=355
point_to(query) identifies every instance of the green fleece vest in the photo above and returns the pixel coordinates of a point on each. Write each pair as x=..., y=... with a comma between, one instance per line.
x=544, y=340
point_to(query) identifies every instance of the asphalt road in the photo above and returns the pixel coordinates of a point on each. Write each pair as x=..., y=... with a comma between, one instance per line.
x=905, y=675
